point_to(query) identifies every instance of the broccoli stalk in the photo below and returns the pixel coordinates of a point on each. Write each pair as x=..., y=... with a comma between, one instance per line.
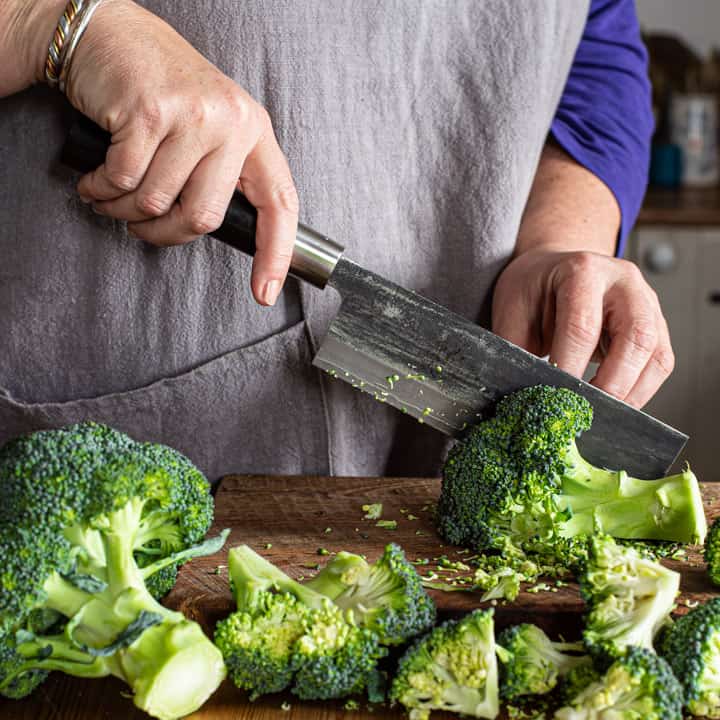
x=106, y=514
x=531, y=663
x=612, y=502
x=711, y=552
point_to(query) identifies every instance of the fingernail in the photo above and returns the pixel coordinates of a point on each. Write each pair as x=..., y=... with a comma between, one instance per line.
x=96, y=210
x=270, y=292
x=85, y=199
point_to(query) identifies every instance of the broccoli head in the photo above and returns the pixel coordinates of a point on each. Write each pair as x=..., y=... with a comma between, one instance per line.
x=88, y=518
x=285, y=634
x=452, y=668
x=520, y=475
x=712, y=552
x=629, y=598
x=692, y=647
x=639, y=685
x=531, y=663
x=386, y=596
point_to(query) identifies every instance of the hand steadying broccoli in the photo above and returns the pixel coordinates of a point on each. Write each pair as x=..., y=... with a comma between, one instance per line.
x=519, y=477
x=322, y=638
x=92, y=528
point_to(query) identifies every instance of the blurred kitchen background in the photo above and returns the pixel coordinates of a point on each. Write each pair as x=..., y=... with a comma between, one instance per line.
x=677, y=238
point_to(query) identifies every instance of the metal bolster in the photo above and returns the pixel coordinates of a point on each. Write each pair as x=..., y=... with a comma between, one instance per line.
x=314, y=256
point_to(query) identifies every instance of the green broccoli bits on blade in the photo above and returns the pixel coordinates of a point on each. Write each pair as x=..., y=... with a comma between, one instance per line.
x=323, y=638
x=712, y=552
x=453, y=668
x=532, y=664
x=638, y=686
x=692, y=647
x=629, y=598
x=519, y=477
x=92, y=528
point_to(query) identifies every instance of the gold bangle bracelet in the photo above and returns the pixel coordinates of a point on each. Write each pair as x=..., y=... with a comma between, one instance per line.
x=53, y=63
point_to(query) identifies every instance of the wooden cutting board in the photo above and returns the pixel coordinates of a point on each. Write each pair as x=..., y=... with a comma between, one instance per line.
x=288, y=519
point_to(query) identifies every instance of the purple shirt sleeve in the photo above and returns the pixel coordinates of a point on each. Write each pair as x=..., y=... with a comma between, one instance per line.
x=604, y=119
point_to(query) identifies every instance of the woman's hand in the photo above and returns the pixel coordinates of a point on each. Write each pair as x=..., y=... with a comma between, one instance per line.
x=578, y=306
x=184, y=136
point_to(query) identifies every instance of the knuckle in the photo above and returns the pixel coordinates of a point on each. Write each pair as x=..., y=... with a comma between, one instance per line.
x=633, y=272
x=582, y=263
x=642, y=336
x=581, y=330
x=284, y=196
x=664, y=359
x=238, y=103
x=154, y=203
x=151, y=114
x=122, y=178
x=204, y=219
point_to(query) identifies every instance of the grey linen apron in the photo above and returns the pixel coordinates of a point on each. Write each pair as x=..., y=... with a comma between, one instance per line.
x=413, y=130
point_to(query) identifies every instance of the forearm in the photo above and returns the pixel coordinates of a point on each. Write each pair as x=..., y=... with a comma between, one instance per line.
x=568, y=208
x=25, y=32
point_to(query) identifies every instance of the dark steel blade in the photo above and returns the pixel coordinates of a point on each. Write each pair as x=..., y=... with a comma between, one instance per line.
x=446, y=371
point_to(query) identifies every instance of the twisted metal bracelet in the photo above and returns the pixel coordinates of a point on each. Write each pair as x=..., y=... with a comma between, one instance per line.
x=53, y=63
x=70, y=29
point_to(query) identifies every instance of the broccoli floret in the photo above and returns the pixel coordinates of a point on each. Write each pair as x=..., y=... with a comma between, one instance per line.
x=285, y=634
x=629, y=598
x=576, y=681
x=692, y=647
x=531, y=663
x=452, y=668
x=386, y=596
x=500, y=584
x=712, y=552
x=520, y=475
x=88, y=516
x=638, y=686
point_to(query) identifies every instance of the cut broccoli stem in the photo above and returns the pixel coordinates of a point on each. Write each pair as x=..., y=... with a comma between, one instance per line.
x=614, y=503
x=252, y=574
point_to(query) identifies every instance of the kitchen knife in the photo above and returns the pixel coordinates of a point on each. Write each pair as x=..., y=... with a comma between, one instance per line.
x=417, y=356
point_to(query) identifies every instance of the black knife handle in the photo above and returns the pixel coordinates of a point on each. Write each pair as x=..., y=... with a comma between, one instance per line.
x=314, y=255
x=85, y=149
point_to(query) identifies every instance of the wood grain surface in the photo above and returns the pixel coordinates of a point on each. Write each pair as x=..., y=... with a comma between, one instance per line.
x=297, y=516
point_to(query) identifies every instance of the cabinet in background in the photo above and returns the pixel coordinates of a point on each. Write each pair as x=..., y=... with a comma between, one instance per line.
x=682, y=263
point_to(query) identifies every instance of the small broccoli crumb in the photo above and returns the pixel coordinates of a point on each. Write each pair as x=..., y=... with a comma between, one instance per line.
x=372, y=511
x=285, y=706
x=268, y=546
x=323, y=551
x=218, y=569
x=311, y=566
x=352, y=705
x=419, y=532
x=410, y=516
x=327, y=530
x=387, y=524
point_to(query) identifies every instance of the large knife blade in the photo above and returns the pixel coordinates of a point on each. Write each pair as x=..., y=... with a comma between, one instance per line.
x=416, y=355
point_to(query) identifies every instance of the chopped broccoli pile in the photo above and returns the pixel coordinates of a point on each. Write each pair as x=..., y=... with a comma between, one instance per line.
x=92, y=528
x=453, y=668
x=639, y=685
x=712, y=552
x=532, y=664
x=692, y=647
x=629, y=598
x=322, y=638
x=387, y=596
x=519, y=477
